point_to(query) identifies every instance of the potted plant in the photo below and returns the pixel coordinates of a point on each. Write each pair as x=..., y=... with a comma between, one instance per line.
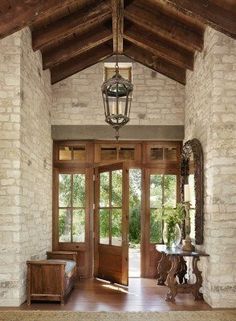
x=172, y=217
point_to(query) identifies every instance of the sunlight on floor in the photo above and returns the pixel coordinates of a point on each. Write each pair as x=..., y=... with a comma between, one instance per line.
x=117, y=288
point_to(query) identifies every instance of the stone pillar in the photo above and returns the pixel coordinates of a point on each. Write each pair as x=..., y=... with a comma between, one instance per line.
x=25, y=164
x=211, y=117
x=10, y=189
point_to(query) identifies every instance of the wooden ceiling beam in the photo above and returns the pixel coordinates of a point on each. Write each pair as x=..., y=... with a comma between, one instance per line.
x=76, y=46
x=118, y=25
x=20, y=13
x=159, y=65
x=215, y=13
x=80, y=62
x=160, y=47
x=164, y=26
x=80, y=21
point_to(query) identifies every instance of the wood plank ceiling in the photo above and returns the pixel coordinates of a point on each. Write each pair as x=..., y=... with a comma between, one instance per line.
x=160, y=34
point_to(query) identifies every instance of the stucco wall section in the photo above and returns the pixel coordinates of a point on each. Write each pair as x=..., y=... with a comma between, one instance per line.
x=211, y=117
x=157, y=100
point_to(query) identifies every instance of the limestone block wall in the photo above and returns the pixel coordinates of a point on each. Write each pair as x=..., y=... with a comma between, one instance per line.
x=10, y=189
x=157, y=100
x=210, y=116
x=36, y=157
x=25, y=163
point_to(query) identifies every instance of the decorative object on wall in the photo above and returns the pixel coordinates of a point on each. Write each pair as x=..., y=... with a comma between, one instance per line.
x=192, y=149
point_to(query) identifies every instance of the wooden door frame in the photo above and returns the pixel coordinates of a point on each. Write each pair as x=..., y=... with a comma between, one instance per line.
x=147, y=246
x=141, y=161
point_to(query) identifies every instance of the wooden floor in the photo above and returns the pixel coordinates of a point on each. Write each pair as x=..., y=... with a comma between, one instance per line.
x=141, y=295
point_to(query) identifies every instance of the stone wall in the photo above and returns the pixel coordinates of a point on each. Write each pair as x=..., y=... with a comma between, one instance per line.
x=26, y=162
x=210, y=116
x=36, y=157
x=10, y=189
x=78, y=101
x=26, y=149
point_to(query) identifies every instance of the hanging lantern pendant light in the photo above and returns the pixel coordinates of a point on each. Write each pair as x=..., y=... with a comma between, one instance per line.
x=117, y=95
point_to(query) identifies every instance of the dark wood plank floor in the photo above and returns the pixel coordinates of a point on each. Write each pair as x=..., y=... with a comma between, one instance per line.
x=141, y=295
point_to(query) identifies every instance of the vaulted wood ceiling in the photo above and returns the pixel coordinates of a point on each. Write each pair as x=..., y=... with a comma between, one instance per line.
x=160, y=34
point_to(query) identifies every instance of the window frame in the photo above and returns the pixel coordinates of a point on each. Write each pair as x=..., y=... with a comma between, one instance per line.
x=162, y=199
x=64, y=246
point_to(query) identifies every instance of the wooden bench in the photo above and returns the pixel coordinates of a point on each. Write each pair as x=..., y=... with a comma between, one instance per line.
x=52, y=279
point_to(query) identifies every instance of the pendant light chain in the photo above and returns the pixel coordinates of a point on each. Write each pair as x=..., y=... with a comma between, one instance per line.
x=118, y=17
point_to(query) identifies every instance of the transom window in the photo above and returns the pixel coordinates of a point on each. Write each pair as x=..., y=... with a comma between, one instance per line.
x=67, y=153
x=125, y=70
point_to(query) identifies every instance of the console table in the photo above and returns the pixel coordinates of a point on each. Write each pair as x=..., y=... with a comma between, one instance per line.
x=176, y=257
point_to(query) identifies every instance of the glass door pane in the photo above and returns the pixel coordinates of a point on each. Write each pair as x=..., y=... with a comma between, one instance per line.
x=116, y=227
x=104, y=226
x=110, y=212
x=116, y=188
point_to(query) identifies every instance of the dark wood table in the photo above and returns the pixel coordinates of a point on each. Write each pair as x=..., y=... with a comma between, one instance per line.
x=178, y=269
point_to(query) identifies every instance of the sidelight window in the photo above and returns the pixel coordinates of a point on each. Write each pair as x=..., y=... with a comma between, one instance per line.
x=71, y=206
x=163, y=190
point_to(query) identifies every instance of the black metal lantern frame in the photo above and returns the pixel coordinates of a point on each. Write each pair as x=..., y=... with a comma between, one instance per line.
x=117, y=95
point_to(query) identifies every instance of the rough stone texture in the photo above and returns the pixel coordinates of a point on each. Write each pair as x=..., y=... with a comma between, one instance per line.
x=26, y=161
x=10, y=189
x=157, y=100
x=210, y=116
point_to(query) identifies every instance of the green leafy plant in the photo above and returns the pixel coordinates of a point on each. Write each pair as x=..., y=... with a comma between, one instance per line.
x=171, y=217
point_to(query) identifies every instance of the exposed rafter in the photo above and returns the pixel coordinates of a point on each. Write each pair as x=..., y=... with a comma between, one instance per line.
x=76, y=46
x=80, y=62
x=160, y=47
x=117, y=25
x=158, y=64
x=164, y=26
x=80, y=21
x=24, y=12
x=75, y=34
x=221, y=15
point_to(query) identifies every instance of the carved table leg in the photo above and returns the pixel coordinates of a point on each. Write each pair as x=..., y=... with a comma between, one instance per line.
x=162, y=270
x=195, y=289
x=182, y=270
x=171, y=279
